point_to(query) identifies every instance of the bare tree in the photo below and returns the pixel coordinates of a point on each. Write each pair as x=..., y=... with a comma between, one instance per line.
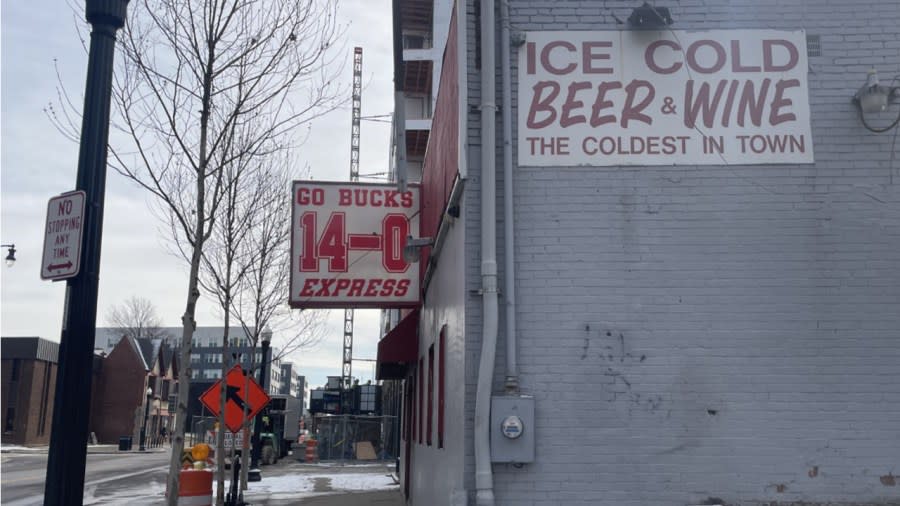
x=135, y=317
x=226, y=260
x=202, y=84
x=259, y=303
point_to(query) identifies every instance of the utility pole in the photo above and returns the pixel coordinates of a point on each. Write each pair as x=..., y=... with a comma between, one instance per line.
x=68, y=437
x=354, y=176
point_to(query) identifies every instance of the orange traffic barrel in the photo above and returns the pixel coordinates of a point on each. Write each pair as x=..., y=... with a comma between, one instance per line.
x=311, y=454
x=195, y=487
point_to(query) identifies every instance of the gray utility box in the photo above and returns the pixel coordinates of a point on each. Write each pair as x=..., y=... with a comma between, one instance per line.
x=512, y=429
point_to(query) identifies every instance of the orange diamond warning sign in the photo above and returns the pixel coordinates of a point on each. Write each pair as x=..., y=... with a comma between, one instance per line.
x=241, y=391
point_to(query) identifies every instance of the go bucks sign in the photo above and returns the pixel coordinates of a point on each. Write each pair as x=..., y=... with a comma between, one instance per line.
x=347, y=244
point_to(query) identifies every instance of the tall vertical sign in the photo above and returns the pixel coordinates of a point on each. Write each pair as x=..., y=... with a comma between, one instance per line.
x=62, y=236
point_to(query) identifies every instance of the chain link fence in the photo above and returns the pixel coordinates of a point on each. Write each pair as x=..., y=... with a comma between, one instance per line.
x=354, y=437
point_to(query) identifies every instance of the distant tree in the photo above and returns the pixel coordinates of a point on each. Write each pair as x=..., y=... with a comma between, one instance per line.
x=135, y=317
x=259, y=302
x=225, y=259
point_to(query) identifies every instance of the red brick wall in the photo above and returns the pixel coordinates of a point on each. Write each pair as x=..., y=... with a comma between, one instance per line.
x=442, y=155
x=33, y=402
x=121, y=389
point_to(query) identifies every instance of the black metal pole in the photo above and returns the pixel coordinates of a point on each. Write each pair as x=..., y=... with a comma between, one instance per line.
x=257, y=423
x=143, y=446
x=68, y=437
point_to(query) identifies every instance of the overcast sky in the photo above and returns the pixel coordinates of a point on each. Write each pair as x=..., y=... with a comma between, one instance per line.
x=37, y=163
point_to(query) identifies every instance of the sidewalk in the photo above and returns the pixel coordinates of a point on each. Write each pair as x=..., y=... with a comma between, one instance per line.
x=290, y=483
x=111, y=448
x=382, y=498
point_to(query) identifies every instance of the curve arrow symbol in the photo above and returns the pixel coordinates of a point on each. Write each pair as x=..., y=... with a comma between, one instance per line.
x=231, y=394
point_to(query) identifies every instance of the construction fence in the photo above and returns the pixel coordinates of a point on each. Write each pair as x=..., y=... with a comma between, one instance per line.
x=354, y=437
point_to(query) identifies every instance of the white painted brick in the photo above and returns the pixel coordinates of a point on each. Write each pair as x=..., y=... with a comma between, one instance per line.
x=769, y=295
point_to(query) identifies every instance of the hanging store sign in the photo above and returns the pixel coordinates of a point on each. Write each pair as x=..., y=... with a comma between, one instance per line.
x=347, y=245
x=715, y=97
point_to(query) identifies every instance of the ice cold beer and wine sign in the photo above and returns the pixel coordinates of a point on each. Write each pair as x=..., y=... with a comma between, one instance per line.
x=347, y=245
x=663, y=98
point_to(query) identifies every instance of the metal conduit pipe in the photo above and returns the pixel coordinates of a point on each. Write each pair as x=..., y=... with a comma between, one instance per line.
x=484, y=479
x=509, y=246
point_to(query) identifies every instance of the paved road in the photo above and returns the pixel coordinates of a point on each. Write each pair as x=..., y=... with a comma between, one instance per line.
x=138, y=479
x=24, y=474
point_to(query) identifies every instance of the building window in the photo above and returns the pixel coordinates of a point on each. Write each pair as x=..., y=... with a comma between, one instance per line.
x=442, y=365
x=16, y=366
x=9, y=424
x=195, y=374
x=45, y=401
x=421, y=388
x=411, y=410
x=430, y=406
x=195, y=358
x=367, y=398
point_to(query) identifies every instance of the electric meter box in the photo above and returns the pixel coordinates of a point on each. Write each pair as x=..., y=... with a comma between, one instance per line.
x=512, y=429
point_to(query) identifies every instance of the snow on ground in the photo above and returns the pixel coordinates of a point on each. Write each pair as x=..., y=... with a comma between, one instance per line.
x=22, y=449
x=295, y=486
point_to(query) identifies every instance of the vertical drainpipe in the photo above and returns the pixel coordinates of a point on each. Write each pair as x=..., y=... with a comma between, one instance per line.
x=509, y=259
x=399, y=101
x=484, y=480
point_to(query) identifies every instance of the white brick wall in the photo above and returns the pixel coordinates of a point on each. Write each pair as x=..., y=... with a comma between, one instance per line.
x=709, y=332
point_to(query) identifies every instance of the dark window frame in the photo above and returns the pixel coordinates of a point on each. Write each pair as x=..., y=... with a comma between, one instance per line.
x=421, y=394
x=430, y=416
x=442, y=368
x=9, y=423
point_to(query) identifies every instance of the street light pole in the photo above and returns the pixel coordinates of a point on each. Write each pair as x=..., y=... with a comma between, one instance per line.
x=143, y=446
x=67, y=455
x=263, y=377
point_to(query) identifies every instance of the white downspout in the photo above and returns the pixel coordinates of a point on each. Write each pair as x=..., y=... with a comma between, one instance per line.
x=484, y=480
x=509, y=247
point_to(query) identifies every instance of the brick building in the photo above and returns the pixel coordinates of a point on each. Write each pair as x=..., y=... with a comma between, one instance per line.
x=695, y=284
x=133, y=366
x=29, y=380
x=206, y=354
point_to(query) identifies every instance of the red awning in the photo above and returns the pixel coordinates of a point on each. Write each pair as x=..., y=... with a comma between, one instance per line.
x=398, y=348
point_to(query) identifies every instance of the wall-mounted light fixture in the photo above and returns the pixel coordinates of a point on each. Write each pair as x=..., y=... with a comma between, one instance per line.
x=874, y=98
x=413, y=248
x=648, y=17
x=11, y=257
